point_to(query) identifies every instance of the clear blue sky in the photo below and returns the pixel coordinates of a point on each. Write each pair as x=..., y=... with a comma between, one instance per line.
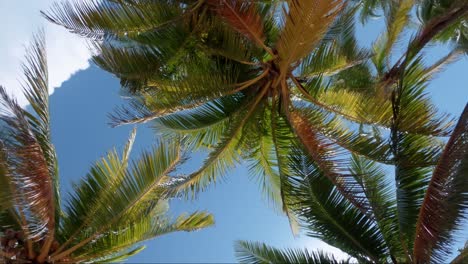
x=81, y=135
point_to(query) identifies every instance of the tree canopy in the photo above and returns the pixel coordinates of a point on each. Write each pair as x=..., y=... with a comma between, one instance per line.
x=285, y=86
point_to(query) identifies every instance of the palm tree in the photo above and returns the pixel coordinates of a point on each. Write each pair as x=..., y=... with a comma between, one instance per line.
x=246, y=79
x=397, y=229
x=109, y=212
x=218, y=73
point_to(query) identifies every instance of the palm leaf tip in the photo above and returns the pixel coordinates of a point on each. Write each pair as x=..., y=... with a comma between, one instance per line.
x=195, y=221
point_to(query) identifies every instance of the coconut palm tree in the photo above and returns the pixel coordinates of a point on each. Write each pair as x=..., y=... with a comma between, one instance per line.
x=397, y=229
x=243, y=78
x=246, y=79
x=114, y=208
x=218, y=73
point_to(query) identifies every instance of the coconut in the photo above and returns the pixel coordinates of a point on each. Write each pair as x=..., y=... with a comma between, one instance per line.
x=12, y=243
x=10, y=233
x=19, y=235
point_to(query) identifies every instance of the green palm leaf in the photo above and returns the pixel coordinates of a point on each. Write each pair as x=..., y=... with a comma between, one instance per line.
x=328, y=215
x=103, y=180
x=378, y=190
x=99, y=19
x=141, y=186
x=224, y=155
x=249, y=252
x=120, y=239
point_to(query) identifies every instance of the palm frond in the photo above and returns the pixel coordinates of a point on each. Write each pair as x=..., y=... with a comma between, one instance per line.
x=263, y=163
x=244, y=18
x=306, y=23
x=206, y=115
x=5, y=191
x=338, y=49
x=27, y=164
x=445, y=202
x=201, y=127
x=362, y=108
x=329, y=60
x=103, y=179
x=225, y=42
x=351, y=105
x=370, y=9
x=325, y=156
x=417, y=112
x=382, y=200
x=365, y=143
x=397, y=17
x=224, y=155
x=142, y=185
x=410, y=185
x=30, y=154
x=455, y=33
x=121, y=238
x=438, y=24
x=282, y=137
x=170, y=96
x=8, y=214
x=134, y=63
x=330, y=216
x=36, y=91
x=250, y=252
x=99, y=19
x=120, y=257
x=437, y=66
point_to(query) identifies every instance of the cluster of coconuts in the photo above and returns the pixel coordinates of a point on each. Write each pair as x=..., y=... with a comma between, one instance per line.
x=11, y=242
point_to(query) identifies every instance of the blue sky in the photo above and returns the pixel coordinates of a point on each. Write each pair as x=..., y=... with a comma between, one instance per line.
x=81, y=135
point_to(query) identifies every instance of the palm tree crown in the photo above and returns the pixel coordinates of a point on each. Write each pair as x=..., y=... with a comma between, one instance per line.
x=110, y=211
x=246, y=79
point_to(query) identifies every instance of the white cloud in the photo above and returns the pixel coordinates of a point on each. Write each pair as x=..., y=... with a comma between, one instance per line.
x=20, y=19
x=312, y=244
